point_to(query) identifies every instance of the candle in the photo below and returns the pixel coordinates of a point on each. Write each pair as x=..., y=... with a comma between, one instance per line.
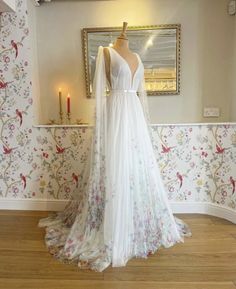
x=60, y=100
x=68, y=103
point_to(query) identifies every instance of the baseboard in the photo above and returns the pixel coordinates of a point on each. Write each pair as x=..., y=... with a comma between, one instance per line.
x=177, y=207
x=32, y=204
x=205, y=208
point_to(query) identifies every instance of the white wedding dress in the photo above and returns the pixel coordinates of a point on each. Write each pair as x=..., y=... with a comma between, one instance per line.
x=121, y=210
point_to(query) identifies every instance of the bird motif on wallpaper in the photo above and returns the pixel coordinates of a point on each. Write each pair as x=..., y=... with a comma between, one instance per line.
x=4, y=85
x=232, y=181
x=219, y=150
x=7, y=150
x=19, y=114
x=75, y=178
x=180, y=178
x=60, y=150
x=23, y=178
x=166, y=149
x=15, y=47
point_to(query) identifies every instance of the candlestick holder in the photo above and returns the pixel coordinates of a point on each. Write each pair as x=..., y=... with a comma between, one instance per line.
x=52, y=121
x=68, y=117
x=61, y=117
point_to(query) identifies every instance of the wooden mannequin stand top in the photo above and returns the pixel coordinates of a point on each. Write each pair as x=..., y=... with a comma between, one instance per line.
x=121, y=45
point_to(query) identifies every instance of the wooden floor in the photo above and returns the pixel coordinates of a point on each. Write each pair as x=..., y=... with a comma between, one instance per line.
x=207, y=260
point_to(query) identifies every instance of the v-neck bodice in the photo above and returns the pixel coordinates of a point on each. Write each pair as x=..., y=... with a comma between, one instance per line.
x=121, y=76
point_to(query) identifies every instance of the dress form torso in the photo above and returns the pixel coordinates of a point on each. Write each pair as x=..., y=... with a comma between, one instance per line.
x=122, y=48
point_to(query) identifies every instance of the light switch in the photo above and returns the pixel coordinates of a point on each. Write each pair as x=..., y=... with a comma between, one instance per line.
x=211, y=112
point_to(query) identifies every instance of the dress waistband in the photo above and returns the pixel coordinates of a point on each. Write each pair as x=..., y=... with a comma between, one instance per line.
x=123, y=90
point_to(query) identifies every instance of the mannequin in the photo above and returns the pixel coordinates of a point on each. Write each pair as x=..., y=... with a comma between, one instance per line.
x=120, y=209
x=121, y=45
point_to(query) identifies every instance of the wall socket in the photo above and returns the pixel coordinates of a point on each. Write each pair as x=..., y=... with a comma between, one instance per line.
x=211, y=112
x=232, y=7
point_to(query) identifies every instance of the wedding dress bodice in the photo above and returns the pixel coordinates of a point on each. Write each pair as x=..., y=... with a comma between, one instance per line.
x=120, y=72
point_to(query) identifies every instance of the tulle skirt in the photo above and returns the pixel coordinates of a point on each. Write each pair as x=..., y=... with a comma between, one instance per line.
x=133, y=218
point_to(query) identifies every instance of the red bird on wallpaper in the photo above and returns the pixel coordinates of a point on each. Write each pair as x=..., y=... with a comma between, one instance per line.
x=219, y=150
x=180, y=178
x=23, y=178
x=4, y=84
x=7, y=150
x=19, y=114
x=60, y=150
x=165, y=149
x=75, y=177
x=232, y=181
x=15, y=47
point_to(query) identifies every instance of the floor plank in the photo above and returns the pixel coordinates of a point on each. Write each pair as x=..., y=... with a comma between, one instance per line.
x=171, y=274
x=207, y=260
x=72, y=284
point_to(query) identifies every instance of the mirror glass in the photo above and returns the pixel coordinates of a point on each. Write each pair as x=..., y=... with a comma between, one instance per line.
x=158, y=47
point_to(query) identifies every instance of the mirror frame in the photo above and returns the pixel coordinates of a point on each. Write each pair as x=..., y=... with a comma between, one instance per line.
x=86, y=31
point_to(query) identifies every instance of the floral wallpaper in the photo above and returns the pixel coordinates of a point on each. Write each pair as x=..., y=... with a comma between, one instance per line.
x=198, y=162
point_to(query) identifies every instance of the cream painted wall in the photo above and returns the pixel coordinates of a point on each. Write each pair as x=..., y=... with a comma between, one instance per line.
x=233, y=78
x=38, y=100
x=7, y=5
x=207, y=50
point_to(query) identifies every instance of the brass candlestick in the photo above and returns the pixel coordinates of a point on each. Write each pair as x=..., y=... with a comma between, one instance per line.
x=61, y=117
x=60, y=107
x=68, y=117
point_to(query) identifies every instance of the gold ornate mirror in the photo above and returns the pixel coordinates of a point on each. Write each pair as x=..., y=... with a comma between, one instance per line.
x=157, y=45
